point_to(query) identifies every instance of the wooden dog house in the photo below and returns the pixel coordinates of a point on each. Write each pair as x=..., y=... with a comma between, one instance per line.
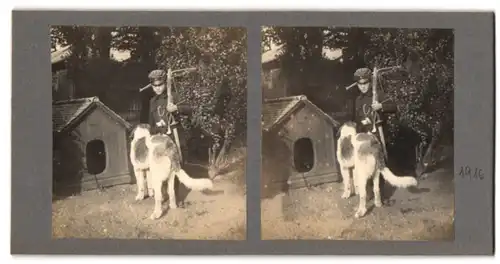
x=90, y=146
x=303, y=138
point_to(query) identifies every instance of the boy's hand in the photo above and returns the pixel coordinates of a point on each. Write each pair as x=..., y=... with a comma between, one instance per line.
x=171, y=108
x=161, y=123
x=366, y=121
x=376, y=106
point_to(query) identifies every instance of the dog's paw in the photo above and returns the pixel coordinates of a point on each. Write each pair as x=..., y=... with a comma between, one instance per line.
x=139, y=197
x=378, y=203
x=414, y=182
x=346, y=195
x=424, y=176
x=172, y=206
x=360, y=213
x=212, y=173
x=155, y=215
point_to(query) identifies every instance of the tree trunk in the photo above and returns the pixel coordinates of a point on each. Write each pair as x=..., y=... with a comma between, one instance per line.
x=103, y=42
x=147, y=44
x=356, y=48
x=315, y=43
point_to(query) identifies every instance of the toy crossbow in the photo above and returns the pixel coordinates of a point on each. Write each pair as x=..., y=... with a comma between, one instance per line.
x=171, y=121
x=376, y=120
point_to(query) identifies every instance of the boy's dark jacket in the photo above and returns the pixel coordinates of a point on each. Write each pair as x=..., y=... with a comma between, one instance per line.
x=158, y=104
x=158, y=111
x=362, y=102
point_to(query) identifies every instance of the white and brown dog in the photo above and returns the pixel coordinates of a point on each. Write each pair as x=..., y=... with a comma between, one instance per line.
x=158, y=157
x=363, y=154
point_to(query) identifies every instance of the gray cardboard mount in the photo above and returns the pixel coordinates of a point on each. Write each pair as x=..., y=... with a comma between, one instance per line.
x=31, y=132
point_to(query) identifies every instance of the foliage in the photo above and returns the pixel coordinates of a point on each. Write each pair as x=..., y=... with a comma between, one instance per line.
x=219, y=53
x=87, y=42
x=423, y=91
x=301, y=46
x=80, y=39
x=142, y=42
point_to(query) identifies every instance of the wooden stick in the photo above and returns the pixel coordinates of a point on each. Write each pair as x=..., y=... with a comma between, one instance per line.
x=184, y=70
x=145, y=87
x=350, y=86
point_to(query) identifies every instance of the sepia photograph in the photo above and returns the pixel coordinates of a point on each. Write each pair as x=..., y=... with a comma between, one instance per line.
x=149, y=132
x=357, y=133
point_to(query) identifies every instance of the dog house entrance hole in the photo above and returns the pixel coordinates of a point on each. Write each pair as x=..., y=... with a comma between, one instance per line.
x=95, y=155
x=303, y=155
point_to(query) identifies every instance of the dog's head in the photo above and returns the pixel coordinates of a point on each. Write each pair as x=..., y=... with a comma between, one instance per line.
x=141, y=130
x=347, y=129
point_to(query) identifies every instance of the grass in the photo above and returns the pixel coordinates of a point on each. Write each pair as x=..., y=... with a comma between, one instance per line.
x=320, y=213
x=114, y=213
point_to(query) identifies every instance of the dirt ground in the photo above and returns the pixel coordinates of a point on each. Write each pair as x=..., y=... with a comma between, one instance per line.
x=114, y=213
x=423, y=213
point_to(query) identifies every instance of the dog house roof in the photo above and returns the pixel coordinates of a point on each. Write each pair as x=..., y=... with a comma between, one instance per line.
x=275, y=111
x=68, y=112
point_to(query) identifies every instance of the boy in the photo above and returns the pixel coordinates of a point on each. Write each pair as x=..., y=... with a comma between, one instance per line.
x=160, y=109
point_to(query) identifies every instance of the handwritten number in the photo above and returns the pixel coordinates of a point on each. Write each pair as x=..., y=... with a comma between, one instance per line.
x=471, y=173
x=479, y=173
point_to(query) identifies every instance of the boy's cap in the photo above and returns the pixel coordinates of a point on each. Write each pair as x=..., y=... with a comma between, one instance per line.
x=362, y=73
x=157, y=77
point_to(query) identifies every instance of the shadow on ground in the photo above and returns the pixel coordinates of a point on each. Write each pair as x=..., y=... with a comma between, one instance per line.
x=276, y=166
x=422, y=213
x=114, y=213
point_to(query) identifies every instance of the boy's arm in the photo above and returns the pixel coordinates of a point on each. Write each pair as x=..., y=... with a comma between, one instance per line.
x=184, y=109
x=388, y=104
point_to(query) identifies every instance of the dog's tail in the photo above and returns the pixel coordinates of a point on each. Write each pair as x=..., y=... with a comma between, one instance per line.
x=194, y=184
x=402, y=182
